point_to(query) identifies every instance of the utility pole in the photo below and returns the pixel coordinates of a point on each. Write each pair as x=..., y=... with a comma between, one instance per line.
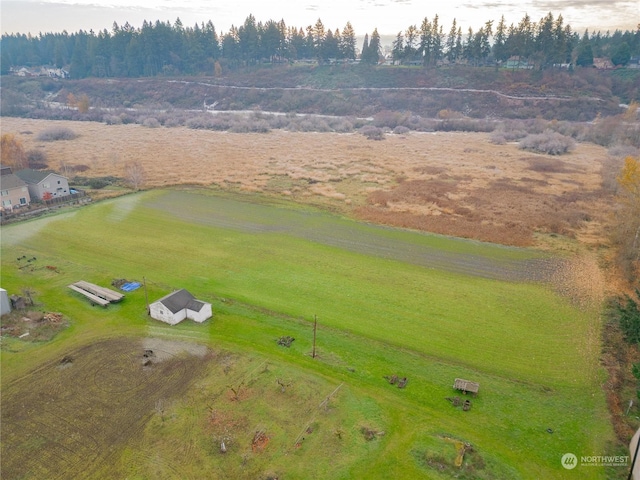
x=315, y=327
x=146, y=296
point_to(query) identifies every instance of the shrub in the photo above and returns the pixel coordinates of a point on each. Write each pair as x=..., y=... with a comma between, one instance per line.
x=372, y=133
x=150, y=122
x=56, y=133
x=342, y=126
x=548, y=142
x=37, y=159
x=627, y=312
x=112, y=120
x=498, y=138
x=388, y=118
x=465, y=125
x=174, y=121
x=400, y=130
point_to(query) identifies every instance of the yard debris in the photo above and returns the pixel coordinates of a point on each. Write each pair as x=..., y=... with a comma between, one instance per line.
x=283, y=385
x=396, y=380
x=66, y=360
x=285, y=341
x=461, y=448
x=52, y=317
x=146, y=358
x=457, y=401
x=260, y=441
x=393, y=379
x=370, y=434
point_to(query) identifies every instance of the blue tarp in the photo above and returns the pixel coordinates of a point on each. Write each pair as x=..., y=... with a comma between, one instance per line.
x=131, y=286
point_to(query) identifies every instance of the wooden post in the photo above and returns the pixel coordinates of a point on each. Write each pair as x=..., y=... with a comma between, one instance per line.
x=146, y=296
x=315, y=327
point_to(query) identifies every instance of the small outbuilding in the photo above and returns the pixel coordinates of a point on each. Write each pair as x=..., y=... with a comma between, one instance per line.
x=177, y=306
x=5, y=305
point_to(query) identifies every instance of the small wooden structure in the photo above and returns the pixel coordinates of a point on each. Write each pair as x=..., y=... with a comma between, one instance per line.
x=98, y=295
x=465, y=386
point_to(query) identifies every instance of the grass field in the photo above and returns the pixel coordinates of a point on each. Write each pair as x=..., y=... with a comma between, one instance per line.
x=267, y=273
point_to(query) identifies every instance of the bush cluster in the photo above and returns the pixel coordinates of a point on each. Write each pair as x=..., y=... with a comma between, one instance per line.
x=549, y=142
x=372, y=133
x=56, y=133
x=95, y=183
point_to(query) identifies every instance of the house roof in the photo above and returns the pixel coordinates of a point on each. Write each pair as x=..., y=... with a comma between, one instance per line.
x=195, y=305
x=179, y=300
x=11, y=181
x=35, y=176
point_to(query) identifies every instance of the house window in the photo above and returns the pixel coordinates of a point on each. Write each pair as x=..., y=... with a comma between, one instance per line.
x=46, y=185
x=5, y=193
x=23, y=201
x=6, y=203
x=58, y=182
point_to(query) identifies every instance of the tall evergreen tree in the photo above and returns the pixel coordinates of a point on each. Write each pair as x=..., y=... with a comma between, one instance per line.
x=545, y=44
x=248, y=41
x=329, y=48
x=374, y=47
x=426, y=41
x=450, y=44
x=584, y=51
x=410, y=50
x=397, y=48
x=364, y=53
x=318, y=34
x=499, y=42
x=621, y=55
x=348, y=42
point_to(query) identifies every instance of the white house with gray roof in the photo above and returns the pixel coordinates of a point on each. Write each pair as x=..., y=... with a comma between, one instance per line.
x=177, y=306
x=44, y=184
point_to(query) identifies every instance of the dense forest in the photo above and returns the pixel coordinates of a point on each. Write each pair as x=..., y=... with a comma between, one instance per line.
x=161, y=48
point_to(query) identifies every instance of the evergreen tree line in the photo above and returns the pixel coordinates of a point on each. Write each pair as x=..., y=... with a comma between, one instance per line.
x=162, y=48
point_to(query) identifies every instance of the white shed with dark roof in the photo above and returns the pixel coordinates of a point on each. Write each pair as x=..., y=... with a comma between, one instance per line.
x=177, y=306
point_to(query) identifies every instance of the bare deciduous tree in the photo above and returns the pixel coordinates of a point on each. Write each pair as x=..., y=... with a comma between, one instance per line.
x=134, y=175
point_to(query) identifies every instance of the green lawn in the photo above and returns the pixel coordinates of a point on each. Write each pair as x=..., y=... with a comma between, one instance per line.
x=534, y=354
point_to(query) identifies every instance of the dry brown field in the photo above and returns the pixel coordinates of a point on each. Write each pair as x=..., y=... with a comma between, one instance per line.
x=451, y=183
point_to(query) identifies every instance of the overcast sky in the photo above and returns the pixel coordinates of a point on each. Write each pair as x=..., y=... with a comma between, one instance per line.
x=388, y=16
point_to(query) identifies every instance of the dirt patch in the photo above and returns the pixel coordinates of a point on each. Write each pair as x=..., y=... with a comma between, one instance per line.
x=452, y=183
x=581, y=280
x=32, y=325
x=67, y=418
